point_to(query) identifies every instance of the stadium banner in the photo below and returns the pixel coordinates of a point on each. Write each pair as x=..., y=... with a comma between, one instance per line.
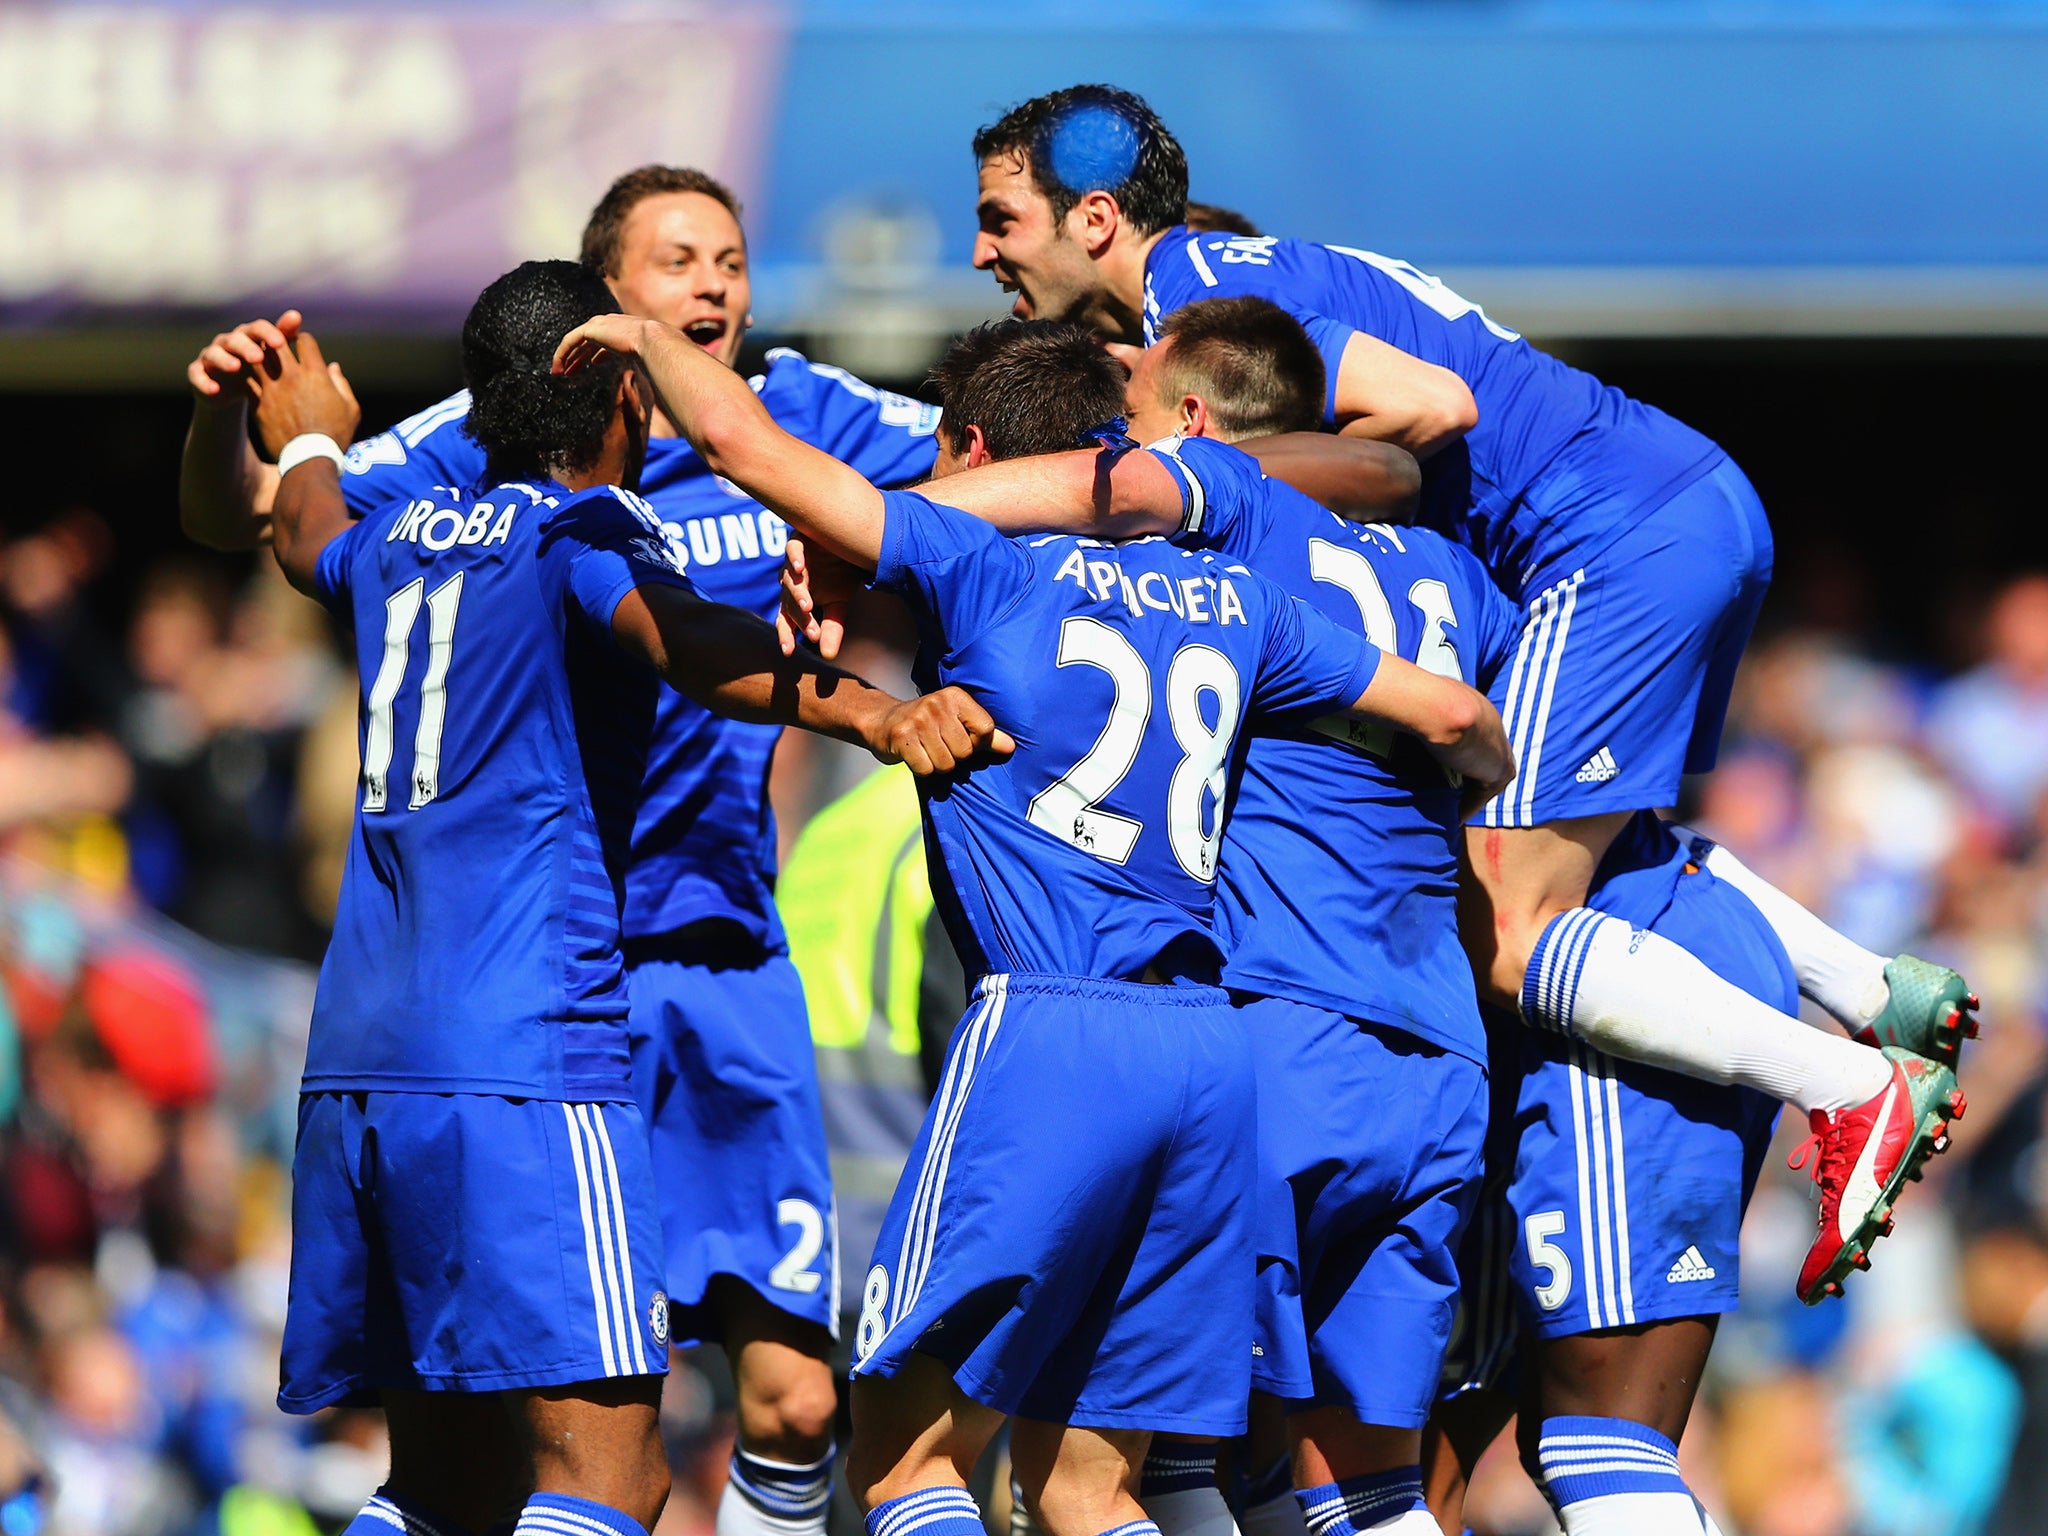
x=373, y=164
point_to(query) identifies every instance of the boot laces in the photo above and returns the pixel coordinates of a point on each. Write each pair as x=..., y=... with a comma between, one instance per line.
x=1828, y=1155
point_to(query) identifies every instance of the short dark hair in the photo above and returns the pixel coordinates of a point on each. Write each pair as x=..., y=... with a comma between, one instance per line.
x=1108, y=139
x=1032, y=386
x=1250, y=360
x=530, y=421
x=1215, y=219
x=606, y=231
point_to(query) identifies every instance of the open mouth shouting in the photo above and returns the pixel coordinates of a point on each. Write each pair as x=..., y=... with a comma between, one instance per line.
x=707, y=332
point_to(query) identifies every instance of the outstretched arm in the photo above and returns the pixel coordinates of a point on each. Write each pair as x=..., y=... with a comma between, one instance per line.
x=1086, y=491
x=1458, y=724
x=1092, y=491
x=1354, y=477
x=1127, y=495
x=715, y=409
x=728, y=660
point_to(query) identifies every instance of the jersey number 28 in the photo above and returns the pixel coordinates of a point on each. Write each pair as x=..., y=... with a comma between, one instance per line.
x=1071, y=808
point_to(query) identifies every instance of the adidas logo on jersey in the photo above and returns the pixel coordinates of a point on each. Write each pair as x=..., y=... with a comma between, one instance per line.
x=1598, y=768
x=1691, y=1265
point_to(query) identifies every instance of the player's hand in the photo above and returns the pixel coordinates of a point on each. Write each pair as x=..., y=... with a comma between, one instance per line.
x=225, y=364
x=940, y=732
x=1483, y=760
x=297, y=390
x=818, y=589
x=602, y=335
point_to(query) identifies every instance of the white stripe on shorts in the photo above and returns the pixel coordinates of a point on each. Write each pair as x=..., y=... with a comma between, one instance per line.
x=920, y=1234
x=605, y=1338
x=1603, y=1189
x=1532, y=684
x=606, y=1248
x=629, y=1316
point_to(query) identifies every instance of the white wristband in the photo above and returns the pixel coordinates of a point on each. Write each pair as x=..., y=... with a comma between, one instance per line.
x=308, y=445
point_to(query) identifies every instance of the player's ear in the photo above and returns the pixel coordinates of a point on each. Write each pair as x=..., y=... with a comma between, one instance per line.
x=1194, y=416
x=635, y=398
x=1094, y=222
x=977, y=448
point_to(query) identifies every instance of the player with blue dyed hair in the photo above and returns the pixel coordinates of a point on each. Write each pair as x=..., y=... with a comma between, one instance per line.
x=1638, y=554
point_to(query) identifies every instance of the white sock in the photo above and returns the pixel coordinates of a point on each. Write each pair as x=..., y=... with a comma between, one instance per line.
x=1389, y=1501
x=1634, y=1514
x=1178, y=1490
x=1614, y=1477
x=1836, y=972
x=1636, y=995
x=1270, y=1508
x=774, y=1498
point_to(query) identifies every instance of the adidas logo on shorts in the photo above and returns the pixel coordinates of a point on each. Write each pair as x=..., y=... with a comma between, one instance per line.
x=1598, y=768
x=1691, y=1265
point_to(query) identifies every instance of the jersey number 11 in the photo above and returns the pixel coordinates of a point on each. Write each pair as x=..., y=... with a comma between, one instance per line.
x=401, y=612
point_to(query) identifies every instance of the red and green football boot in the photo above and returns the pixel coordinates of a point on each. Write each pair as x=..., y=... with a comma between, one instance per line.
x=1931, y=1011
x=1863, y=1157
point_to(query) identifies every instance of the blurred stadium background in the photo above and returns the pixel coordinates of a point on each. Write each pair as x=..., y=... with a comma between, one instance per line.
x=1816, y=229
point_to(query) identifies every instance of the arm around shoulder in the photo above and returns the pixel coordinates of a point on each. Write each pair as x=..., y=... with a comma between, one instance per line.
x=725, y=422
x=1387, y=394
x=1355, y=477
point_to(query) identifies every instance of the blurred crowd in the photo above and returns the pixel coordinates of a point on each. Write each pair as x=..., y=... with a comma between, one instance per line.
x=177, y=769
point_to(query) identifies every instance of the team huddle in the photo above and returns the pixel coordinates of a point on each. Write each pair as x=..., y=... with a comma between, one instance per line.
x=1355, y=1057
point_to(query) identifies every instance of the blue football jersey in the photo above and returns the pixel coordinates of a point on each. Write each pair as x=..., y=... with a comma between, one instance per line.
x=1125, y=672
x=1340, y=869
x=1559, y=465
x=503, y=736
x=704, y=840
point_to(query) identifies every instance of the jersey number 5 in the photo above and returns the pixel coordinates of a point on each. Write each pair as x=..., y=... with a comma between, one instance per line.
x=1071, y=808
x=401, y=613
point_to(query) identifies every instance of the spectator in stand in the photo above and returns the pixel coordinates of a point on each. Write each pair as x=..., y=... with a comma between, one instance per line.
x=2005, y=1289
x=227, y=687
x=1989, y=727
x=67, y=674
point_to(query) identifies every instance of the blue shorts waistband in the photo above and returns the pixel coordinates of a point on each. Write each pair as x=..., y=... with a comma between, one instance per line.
x=1177, y=994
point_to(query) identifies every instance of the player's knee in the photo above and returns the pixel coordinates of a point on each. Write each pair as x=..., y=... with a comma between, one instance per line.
x=882, y=1466
x=1067, y=1503
x=786, y=1413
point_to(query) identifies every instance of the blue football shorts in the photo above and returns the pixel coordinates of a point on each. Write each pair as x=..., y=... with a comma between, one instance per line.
x=1615, y=1192
x=1620, y=683
x=1072, y=1237
x=1371, y=1149
x=461, y=1242
x=726, y=1078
